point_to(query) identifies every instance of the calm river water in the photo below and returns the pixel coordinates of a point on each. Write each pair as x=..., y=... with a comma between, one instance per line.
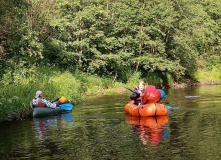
x=99, y=129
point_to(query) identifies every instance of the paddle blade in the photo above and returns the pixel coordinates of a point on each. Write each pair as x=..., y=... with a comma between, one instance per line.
x=168, y=107
x=66, y=106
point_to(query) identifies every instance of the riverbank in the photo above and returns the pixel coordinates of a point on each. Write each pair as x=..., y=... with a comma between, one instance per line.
x=18, y=88
x=14, y=109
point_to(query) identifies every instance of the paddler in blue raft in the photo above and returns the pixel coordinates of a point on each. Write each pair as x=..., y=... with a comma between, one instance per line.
x=40, y=101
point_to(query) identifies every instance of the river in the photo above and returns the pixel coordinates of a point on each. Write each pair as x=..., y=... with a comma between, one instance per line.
x=99, y=129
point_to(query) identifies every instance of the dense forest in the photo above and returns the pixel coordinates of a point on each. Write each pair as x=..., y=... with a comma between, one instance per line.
x=112, y=38
x=79, y=47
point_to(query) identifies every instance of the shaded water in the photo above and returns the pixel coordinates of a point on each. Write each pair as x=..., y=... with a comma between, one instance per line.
x=99, y=129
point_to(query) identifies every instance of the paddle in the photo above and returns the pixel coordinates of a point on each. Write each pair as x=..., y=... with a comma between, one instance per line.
x=168, y=107
x=130, y=90
x=66, y=106
x=140, y=104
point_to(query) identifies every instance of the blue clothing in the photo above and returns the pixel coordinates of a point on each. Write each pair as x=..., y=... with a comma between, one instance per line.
x=162, y=93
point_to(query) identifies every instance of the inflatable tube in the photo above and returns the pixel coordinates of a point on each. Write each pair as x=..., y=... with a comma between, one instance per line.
x=45, y=111
x=147, y=110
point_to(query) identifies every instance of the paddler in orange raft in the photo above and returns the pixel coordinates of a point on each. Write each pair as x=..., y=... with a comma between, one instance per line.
x=149, y=105
x=138, y=93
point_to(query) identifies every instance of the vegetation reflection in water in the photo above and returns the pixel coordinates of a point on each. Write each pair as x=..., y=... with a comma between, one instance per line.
x=99, y=129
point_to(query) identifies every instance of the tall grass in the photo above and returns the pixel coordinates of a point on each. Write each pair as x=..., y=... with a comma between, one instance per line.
x=208, y=70
x=133, y=79
x=159, y=79
x=205, y=76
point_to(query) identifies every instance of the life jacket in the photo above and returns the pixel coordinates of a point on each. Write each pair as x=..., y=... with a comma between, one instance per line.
x=40, y=104
x=138, y=100
x=151, y=95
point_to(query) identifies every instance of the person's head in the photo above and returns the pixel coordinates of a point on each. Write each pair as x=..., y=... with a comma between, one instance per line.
x=38, y=94
x=141, y=85
x=162, y=94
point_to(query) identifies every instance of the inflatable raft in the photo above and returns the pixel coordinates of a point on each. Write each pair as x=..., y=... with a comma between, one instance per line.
x=146, y=110
x=45, y=111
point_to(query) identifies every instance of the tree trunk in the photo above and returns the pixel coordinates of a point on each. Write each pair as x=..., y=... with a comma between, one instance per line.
x=114, y=77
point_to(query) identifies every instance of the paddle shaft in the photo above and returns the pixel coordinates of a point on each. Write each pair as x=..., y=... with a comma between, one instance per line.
x=130, y=89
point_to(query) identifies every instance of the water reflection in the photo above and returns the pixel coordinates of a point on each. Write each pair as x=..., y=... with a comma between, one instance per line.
x=42, y=125
x=67, y=120
x=100, y=130
x=151, y=130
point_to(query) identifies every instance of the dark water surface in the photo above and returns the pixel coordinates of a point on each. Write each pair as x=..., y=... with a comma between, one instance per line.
x=99, y=129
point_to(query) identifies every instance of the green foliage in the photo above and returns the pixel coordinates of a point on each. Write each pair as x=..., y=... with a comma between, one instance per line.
x=108, y=38
x=159, y=79
x=133, y=79
x=9, y=108
x=92, y=84
x=167, y=79
x=209, y=77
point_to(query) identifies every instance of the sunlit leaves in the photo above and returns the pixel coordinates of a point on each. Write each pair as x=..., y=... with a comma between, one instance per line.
x=109, y=37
